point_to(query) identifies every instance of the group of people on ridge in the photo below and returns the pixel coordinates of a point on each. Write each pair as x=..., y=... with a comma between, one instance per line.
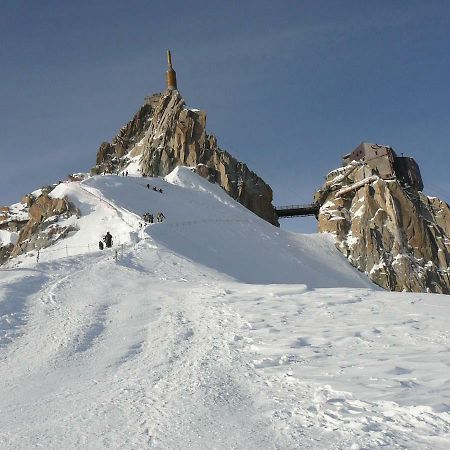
x=148, y=217
x=154, y=188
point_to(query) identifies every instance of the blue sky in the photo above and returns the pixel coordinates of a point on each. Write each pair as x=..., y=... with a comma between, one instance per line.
x=289, y=86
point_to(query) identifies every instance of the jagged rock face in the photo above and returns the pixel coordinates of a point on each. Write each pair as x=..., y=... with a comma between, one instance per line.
x=165, y=134
x=109, y=154
x=400, y=238
x=41, y=227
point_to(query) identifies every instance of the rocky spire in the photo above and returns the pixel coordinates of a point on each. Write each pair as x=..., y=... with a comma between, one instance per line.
x=165, y=134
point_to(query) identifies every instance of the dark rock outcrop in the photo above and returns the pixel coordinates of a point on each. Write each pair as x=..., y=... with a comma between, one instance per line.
x=165, y=134
x=5, y=252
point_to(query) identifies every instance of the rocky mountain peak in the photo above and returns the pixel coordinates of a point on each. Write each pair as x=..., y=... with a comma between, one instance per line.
x=164, y=134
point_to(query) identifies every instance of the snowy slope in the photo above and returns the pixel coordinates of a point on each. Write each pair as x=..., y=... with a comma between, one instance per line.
x=212, y=330
x=202, y=224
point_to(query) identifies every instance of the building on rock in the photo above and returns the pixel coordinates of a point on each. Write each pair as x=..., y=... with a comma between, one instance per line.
x=383, y=160
x=384, y=224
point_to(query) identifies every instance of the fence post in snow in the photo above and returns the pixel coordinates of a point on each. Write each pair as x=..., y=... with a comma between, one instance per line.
x=37, y=257
x=115, y=255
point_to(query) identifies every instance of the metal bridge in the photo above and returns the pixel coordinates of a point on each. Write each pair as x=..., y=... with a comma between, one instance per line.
x=297, y=210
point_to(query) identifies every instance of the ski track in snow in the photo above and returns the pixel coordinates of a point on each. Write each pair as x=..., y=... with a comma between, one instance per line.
x=158, y=351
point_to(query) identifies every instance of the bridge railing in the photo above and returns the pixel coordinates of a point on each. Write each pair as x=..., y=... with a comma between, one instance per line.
x=303, y=206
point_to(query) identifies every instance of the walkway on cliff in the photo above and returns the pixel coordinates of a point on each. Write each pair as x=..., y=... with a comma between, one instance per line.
x=311, y=209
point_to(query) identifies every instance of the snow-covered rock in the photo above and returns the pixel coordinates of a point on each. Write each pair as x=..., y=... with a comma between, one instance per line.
x=35, y=223
x=396, y=235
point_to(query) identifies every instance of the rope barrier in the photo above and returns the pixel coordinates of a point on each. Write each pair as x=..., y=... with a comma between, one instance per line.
x=66, y=249
x=95, y=248
x=141, y=232
x=112, y=205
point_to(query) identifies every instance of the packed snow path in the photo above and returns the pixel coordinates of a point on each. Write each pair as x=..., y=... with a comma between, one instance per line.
x=122, y=370
x=171, y=348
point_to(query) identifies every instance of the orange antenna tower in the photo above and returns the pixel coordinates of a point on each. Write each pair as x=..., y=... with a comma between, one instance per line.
x=171, y=75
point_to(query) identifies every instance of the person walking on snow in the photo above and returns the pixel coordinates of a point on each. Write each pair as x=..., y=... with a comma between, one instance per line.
x=108, y=239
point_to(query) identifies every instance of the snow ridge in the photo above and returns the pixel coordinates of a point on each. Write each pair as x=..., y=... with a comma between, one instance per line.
x=212, y=329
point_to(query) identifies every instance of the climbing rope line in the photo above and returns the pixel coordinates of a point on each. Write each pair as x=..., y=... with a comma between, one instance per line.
x=124, y=214
x=119, y=210
x=94, y=245
x=195, y=222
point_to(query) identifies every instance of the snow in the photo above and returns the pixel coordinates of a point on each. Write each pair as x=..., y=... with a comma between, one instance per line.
x=376, y=267
x=8, y=237
x=133, y=165
x=212, y=329
x=18, y=211
x=328, y=204
x=361, y=209
x=351, y=240
x=36, y=193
